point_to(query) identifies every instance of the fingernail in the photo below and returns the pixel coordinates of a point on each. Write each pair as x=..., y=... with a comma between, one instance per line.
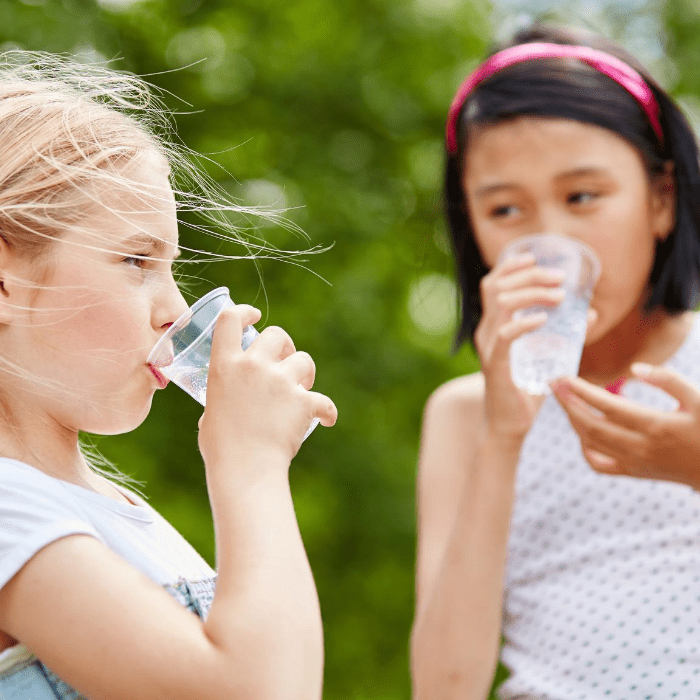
x=539, y=317
x=559, y=387
x=602, y=459
x=641, y=369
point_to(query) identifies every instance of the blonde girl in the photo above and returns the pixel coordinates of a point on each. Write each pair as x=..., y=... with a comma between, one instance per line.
x=531, y=530
x=99, y=596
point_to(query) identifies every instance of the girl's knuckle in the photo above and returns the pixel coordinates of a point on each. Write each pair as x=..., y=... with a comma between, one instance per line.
x=645, y=453
x=279, y=331
x=656, y=430
x=498, y=285
x=306, y=357
x=587, y=435
x=649, y=451
x=503, y=335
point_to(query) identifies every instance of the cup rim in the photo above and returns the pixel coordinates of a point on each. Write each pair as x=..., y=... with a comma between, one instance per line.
x=567, y=240
x=184, y=316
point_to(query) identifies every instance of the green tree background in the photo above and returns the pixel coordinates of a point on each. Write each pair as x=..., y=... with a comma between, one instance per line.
x=335, y=110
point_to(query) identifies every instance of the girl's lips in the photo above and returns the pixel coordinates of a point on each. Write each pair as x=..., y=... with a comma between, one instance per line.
x=162, y=380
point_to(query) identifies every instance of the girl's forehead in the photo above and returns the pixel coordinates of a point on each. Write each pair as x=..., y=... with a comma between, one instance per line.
x=139, y=216
x=536, y=144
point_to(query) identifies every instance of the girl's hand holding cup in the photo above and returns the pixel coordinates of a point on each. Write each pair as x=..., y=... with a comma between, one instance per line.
x=257, y=394
x=512, y=285
x=534, y=324
x=258, y=400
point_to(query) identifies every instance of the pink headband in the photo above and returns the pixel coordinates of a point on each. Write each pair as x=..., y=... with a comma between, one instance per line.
x=609, y=65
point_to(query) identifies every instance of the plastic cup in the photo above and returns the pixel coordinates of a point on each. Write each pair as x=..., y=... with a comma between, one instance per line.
x=554, y=349
x=183, y=352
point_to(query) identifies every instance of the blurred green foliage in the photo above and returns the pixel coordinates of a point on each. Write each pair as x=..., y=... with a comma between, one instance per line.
x=335, y=110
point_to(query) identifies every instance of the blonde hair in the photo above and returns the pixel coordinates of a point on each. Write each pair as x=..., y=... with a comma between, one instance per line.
x=67, y=127
x=68, y=130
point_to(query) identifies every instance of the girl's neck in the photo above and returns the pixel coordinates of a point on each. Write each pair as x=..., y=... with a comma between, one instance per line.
x=641, y=337
x=61, y=459
x=51, y=449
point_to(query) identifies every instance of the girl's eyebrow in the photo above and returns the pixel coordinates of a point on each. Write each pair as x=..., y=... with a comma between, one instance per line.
x=487, y=190
x=157, y=244
x=582, y=171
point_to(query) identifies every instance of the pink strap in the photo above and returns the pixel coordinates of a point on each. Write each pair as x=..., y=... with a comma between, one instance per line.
x=616, y=386
x=613, y=67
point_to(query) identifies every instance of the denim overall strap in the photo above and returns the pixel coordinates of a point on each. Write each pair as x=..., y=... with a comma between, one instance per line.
x=24, y=677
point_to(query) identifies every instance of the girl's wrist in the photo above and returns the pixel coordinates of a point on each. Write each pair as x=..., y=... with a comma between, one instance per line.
x=248, y=459
x=501, y=446
x=508, y=442
x=242, y=470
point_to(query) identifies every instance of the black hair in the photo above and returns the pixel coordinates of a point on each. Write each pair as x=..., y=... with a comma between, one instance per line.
x=570, y=89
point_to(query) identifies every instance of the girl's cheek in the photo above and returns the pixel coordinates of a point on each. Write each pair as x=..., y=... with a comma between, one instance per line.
x=100, y=327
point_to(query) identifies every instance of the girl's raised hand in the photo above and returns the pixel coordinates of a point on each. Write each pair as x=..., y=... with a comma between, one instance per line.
x=258, y=401
x=510, y=286
x=620, y=437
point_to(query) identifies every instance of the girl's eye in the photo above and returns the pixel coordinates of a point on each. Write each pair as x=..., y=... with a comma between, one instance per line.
x=504, y=211
x=582, y=197
x=136, y=260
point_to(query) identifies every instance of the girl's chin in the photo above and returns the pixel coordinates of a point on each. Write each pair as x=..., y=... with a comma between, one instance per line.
x=114, y=421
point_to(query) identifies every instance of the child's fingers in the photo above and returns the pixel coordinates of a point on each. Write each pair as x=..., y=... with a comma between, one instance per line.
x=669, y=381
x=324, y=409
x=601, y=463
x=514, y=329
x=594, y=426
x=615, y=408
x=229, y=330
x=531, y=296
x=274, y=342
x=529, y=277
x=513, y=264
x=301, y=368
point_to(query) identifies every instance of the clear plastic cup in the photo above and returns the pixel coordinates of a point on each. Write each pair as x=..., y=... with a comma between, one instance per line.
x=183, y=352
x=554, y=349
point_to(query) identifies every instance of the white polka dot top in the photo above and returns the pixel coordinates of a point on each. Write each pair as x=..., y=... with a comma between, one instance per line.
x=602, y=596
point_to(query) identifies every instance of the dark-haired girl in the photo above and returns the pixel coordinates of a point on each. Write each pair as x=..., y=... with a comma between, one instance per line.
x=531, y=530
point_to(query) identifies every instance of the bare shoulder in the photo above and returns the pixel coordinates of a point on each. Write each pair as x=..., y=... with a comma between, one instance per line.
x=465, y=395
x=452, y=422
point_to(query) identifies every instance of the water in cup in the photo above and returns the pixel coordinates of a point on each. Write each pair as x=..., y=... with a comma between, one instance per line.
x=187, y=369
x=192, y=378
x=554, y=349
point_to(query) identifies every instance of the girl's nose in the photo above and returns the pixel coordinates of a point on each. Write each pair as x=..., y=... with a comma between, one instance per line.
x=169, y=306
x=551, y=221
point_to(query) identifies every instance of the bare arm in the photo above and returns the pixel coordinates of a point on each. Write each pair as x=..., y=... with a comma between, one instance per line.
x=473, y=430
x=465, y=495
x=112, y=633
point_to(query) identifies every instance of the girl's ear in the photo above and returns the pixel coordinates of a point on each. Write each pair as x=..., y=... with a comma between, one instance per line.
x=663, y=205
x=8, y=300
